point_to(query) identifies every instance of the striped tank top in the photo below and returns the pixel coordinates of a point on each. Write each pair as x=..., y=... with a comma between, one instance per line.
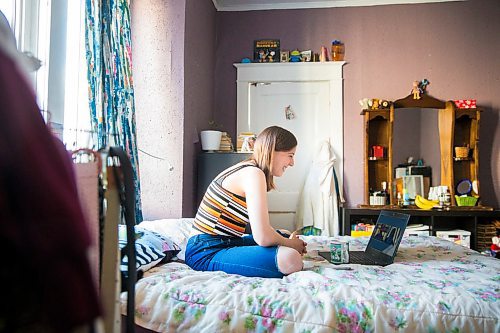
x=222, y=212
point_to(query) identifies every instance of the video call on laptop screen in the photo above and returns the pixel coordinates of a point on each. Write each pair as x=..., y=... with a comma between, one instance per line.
x=387, y=234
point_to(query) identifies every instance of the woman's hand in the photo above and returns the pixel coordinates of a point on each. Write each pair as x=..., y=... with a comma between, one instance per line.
x=297, y=243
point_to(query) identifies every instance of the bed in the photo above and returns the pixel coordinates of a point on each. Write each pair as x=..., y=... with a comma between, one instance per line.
x=434, y=285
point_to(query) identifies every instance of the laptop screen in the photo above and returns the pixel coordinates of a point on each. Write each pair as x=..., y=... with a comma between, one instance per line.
x=388, y=232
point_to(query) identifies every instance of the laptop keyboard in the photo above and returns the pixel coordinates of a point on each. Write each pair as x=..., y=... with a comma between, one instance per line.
x=360, y=257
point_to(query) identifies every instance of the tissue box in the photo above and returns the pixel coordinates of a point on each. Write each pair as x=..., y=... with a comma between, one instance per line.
x=465, y=103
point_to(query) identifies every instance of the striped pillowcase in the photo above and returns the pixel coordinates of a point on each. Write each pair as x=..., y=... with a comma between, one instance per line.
x=150, y=248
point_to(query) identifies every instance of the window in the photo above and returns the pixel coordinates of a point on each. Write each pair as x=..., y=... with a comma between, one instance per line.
x=53, y=31
x=8, y=9
x=77, y=126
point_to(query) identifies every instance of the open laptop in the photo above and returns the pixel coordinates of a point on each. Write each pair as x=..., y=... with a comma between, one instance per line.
x=383, y=243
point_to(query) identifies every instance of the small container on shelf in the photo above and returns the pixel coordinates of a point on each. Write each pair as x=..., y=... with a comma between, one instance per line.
x=338, y=50
x=380, y=198
x=210, y=140
x=465, y=103
x=400, y=200
x=444, y=196
x=406, y=198
x=466, y=200
x=377, y=153
x=462, y=153
x=226, y=145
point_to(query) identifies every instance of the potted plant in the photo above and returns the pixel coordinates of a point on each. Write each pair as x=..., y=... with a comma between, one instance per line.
x=210, y=138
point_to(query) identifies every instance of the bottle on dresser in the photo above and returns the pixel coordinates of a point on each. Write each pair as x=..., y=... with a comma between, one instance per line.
x=380, y=198
x=385, y=194
x=406, y=198
x=400, y=200
x=371, y=195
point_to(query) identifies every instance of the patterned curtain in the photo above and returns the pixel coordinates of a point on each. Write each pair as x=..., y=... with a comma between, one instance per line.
x=111, y=90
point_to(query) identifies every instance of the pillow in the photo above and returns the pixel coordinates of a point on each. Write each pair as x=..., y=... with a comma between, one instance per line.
x=150, y=248
x=177, y=230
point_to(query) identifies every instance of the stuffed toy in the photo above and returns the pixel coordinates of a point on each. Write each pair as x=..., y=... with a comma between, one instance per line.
x=495, y=246
x=423, y=85
x=295, y=56
x=416, y=91
x=373, y=103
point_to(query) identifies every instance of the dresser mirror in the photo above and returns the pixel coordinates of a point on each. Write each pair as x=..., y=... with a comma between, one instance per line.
x=416, y=135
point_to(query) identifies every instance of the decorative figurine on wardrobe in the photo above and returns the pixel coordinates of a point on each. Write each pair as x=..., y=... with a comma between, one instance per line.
x=416, y=91
x=289, y=114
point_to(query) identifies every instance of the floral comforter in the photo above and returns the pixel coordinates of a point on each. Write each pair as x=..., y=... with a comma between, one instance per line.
x=433, y=286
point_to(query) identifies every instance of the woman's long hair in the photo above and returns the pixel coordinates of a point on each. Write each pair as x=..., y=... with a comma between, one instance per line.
x=270, y=140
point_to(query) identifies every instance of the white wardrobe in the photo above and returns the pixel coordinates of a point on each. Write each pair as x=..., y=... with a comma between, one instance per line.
x=305, y=98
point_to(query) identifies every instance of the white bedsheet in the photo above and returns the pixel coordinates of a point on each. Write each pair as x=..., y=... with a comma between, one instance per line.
x=433, y=286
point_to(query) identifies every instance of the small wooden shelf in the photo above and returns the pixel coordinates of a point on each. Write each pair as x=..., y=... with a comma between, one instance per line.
x=378, y=129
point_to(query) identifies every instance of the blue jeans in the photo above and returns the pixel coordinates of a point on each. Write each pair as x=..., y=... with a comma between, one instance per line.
x=232, y=255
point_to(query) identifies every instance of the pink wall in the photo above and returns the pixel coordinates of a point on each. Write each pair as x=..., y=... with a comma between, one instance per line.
x=199, y=59
x=455, y=45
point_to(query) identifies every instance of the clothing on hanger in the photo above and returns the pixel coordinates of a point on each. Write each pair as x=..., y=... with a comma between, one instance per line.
x=322, y=192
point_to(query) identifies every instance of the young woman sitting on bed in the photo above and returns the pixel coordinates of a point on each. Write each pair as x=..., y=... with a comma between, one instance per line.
x=236, y=197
